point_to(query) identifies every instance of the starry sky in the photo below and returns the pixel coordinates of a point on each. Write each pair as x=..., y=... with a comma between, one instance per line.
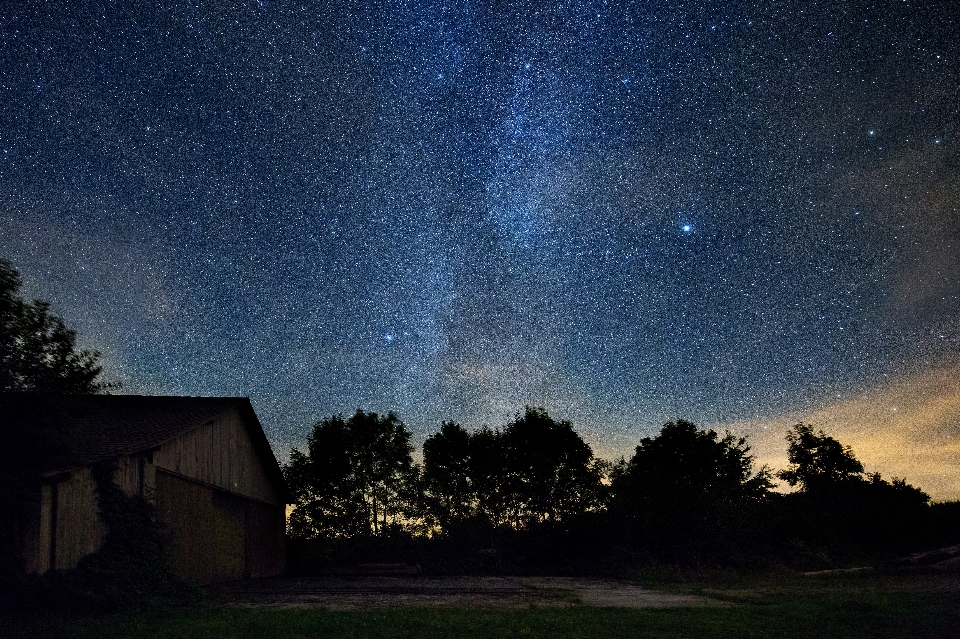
x=741, y=214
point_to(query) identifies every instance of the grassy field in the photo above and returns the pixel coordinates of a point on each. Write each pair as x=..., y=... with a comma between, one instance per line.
x=859, y=605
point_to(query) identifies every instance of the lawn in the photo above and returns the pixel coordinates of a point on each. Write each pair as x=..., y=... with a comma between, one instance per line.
x=863, y=605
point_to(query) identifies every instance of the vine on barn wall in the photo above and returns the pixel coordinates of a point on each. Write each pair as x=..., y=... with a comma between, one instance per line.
x=134, y=536
x=130, y=568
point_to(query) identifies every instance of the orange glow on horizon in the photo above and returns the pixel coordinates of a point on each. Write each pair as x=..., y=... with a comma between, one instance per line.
x=907, y=428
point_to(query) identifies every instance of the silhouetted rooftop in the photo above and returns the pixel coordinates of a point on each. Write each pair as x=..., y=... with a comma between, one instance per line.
x=104, y=427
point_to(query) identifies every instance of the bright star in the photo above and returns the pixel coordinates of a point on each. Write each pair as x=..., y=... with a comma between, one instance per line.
x=686, y=228
x=388, y=337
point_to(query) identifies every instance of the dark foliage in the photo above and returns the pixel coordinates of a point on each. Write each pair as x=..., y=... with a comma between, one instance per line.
x=551, y=472
x=37, y=351
x=524, y=498
x=130, y=568
x=818, y=462
x=357, y=477
x=488, y=472
x=537, y=469
x=578, y=546
x=839, y=512
x=689, y=495
x=531, y=499
x=944, y=528
x=449, y=480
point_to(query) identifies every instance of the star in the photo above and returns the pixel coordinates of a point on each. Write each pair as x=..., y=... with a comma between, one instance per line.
x=403, y=211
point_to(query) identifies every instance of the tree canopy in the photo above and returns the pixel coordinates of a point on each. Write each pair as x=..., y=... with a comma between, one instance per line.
x=534, y=491
x=687, y=487
x=685, y=463
x=450, y=481
x=840, y=506
x=37, y=351
x=536, y=469
x=817, y=461
x=354, y=478
x=551, y=471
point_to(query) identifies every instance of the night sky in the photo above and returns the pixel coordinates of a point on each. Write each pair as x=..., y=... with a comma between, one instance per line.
x=745, y=216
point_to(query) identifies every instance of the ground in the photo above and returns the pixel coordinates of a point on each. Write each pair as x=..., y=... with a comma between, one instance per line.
x=473, y=592
x=920, y=604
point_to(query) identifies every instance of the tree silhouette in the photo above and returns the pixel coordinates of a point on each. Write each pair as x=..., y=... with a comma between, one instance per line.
x=536, y=469
x=551, y=472
x=686, y=488
x=488, y=476
x=37, y=351
x=355, y=478
x=839, y=509
x=817, y=461
x=448, y=480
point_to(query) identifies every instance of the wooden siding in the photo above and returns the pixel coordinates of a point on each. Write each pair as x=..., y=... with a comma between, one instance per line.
x=32, y=534
x=266, y=528
x=125, y=474
x=44, y=545
x=68, y=525
x=220, y=453
x=216, y=535
x=78, y=531
x=224, y=515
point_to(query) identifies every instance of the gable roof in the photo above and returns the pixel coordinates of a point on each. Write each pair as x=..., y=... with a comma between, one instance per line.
x=105, y=427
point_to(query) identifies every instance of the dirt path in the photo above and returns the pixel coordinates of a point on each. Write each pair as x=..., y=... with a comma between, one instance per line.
x=474, y=592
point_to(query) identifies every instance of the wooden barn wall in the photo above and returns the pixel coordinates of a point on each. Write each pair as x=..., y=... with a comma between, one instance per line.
x=266, y=527
x=68, y=526
x=78, y=530
x=129, y=474
x=219, y=453
x=35, y=539
x=43, y=548
x=216, y=535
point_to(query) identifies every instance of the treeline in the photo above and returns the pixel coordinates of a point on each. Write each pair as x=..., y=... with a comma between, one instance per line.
x=532, y=496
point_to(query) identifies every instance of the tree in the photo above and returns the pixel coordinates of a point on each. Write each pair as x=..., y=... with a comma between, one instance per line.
x=551, y=472
x=488, y=475
x=448, y=480
x=536, y=469
x=839, y=508
x=686, y=488
x=37, y=351
x=817, y=461
x=354, y=479
x=686, y=462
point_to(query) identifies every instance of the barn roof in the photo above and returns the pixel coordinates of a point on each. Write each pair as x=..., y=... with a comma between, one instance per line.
x=105, y=427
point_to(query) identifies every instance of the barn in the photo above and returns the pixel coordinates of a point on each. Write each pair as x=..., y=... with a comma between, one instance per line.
x=204, y=462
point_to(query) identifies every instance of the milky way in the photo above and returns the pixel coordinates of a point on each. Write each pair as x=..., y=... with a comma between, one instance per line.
x=624, y=212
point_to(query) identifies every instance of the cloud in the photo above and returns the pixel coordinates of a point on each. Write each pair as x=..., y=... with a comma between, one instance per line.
x=908, y=427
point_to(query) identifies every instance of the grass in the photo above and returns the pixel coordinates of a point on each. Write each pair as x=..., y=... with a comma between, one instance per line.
x=838, y=606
